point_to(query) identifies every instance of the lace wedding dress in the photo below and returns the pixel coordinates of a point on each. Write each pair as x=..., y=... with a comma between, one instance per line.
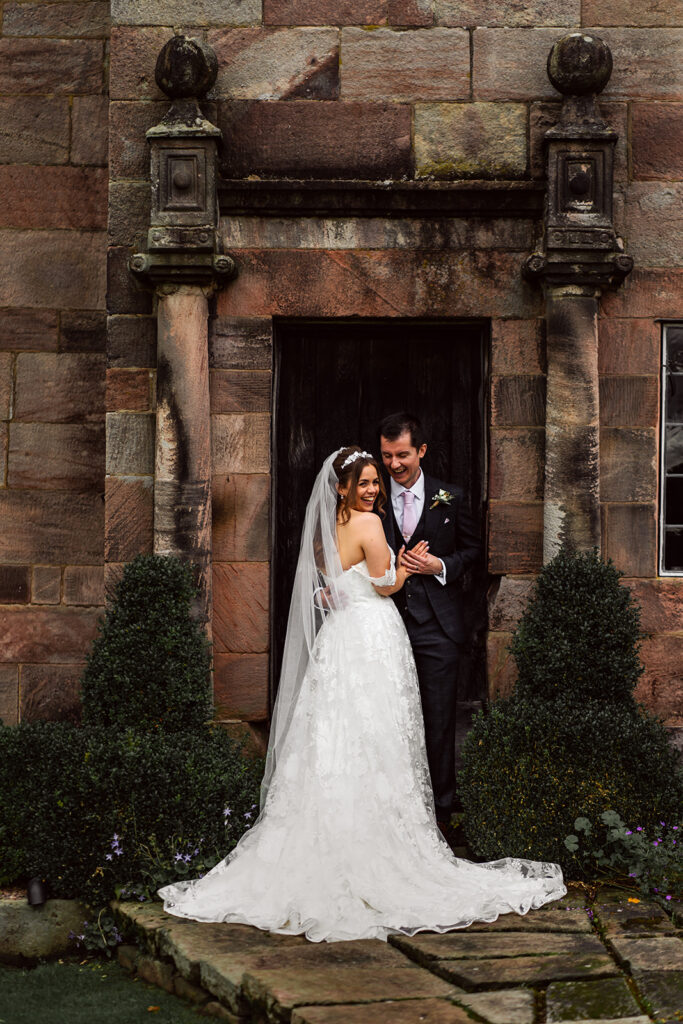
x=347, y=845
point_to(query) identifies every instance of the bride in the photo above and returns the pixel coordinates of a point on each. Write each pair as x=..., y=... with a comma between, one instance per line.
x=346, y=845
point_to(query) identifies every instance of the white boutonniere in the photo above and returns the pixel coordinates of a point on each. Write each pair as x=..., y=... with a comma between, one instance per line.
x=441, y=498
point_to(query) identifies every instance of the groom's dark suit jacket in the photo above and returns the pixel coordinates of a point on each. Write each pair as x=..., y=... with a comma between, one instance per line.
x=454, y=538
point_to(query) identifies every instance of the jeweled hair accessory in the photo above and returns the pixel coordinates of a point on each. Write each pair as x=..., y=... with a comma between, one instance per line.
x=356, y=455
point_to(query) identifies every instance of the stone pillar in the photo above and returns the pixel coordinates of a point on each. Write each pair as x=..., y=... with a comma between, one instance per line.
x=182, y=464
x=184, y=264
x=571, y=509
x=581, y=256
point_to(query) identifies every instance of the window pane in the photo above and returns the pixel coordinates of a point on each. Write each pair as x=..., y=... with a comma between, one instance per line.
x=674, y=398
x=673, y=488
x=673, y=456
x=673, y=550
x=674, y=349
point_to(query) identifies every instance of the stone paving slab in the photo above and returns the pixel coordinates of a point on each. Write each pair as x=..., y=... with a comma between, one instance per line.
x=633, y=919
x=186, y=943
x=651, y=954
x=508, y=1006
x=612, y=1020
x=410, y=1011
x=568, y=920
x=223, y=974
x=427, y=947
x=664, y=992
x=279, y=991
x=603, y=998
x=475, y=975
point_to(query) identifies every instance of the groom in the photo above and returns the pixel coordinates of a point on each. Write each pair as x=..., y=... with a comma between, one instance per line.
x=422, y=508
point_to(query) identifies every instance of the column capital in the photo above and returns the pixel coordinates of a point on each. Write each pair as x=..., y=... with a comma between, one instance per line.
x=183, y=242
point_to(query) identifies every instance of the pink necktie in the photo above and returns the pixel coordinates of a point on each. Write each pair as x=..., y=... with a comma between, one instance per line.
x=409, y=520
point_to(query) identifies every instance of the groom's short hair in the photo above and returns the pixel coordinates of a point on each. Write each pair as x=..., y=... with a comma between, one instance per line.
x=398, y=423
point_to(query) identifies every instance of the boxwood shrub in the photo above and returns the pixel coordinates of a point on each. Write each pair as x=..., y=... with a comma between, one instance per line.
x=571, y=741
x=83, y=806
x=149, y=666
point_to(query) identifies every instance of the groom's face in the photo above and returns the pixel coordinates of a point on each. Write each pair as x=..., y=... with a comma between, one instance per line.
x=401, y=459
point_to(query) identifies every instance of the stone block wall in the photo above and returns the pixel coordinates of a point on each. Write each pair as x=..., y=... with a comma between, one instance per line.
x=442, y=90
x=401, y=89
x=53, y=215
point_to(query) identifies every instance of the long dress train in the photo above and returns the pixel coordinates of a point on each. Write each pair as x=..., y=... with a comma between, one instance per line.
x=347, y=845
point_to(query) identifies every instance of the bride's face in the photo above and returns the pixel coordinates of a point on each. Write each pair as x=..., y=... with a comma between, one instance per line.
x=367, y=490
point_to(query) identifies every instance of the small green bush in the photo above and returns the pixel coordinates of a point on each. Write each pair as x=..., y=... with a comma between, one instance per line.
x=571, y=741
x=149, y=666
x=580, y=633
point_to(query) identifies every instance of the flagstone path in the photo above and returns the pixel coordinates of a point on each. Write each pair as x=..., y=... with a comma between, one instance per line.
x=608, y=962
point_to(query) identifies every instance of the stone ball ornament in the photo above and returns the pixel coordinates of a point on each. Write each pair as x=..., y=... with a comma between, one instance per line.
x=186, y=67
x=580, y=64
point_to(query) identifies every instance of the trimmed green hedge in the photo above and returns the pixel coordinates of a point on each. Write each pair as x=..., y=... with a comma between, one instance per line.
x=529, y=770
x=65, y=793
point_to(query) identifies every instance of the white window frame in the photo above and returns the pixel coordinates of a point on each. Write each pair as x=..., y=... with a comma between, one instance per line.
x=662, y=450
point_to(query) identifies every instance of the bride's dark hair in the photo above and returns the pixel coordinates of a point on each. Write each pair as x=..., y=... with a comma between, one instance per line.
x=351, y=475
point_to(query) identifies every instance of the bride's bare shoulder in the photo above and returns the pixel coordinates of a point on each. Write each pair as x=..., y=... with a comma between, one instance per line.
x=369, y=524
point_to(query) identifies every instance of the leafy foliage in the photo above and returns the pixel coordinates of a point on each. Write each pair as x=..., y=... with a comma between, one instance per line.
x=571, y=741
x=654, y=859
x=529, y=770
x=149, y=666
x=83, y=814
x=580, y=633
x=83, y=807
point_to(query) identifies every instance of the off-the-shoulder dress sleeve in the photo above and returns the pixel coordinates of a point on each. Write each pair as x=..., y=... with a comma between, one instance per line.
x=389, y=577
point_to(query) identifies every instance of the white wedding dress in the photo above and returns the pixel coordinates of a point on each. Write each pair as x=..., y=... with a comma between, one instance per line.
x=347, y=845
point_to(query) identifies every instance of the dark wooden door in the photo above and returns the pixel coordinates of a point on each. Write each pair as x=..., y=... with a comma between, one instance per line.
x=334, y=382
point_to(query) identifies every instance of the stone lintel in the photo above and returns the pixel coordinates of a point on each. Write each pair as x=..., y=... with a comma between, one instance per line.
x=354, y=198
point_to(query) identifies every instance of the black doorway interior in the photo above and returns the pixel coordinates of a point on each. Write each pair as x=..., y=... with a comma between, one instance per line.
x=333, y=383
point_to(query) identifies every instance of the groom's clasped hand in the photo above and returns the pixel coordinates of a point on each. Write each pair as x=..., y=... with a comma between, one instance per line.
x=419, y=560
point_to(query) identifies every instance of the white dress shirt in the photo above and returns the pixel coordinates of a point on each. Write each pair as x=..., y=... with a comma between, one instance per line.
x=398, y=506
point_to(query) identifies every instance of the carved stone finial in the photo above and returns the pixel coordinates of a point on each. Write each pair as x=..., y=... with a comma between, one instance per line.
x=579, y=64
x=183, y=241
x=186, y=67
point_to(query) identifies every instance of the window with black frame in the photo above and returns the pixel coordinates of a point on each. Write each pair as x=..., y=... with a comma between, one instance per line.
x=671, y=494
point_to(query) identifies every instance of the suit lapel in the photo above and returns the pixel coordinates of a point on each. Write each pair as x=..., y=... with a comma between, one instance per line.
x=391, y=530
x=430, y=516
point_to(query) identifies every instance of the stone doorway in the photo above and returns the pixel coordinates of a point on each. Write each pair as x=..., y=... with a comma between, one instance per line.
x=333, y=382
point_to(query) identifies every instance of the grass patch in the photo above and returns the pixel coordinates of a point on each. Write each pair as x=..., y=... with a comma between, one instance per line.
x=87, y=993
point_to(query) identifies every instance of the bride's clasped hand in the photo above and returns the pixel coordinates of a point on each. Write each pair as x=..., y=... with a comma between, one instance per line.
x=347, y=845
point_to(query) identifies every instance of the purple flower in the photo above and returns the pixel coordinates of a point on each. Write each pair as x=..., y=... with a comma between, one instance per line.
x=667, y=897
x=196, y=852
x=178, y=856
x=187, y=858
x=227, y=812
x=639, y=829
x=629, y=832
x=109, y=856
x=247, y=814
